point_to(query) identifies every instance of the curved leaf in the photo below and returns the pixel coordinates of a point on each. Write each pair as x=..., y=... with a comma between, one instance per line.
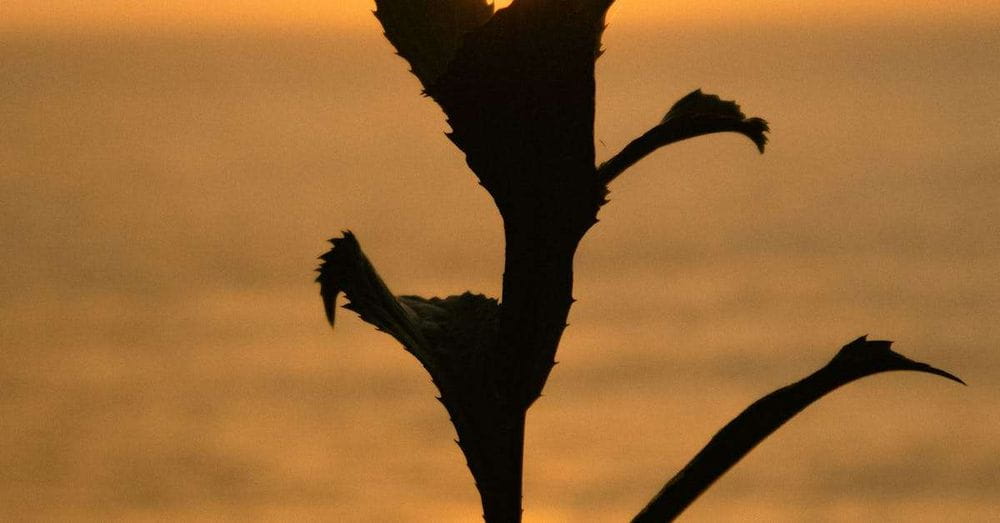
x=855, y=360
x=694, y=115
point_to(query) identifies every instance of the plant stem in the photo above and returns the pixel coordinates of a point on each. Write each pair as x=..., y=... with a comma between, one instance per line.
x=501, y=488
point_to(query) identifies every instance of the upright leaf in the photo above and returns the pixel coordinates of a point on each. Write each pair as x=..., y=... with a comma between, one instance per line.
x=519, y=96
x=428, y=32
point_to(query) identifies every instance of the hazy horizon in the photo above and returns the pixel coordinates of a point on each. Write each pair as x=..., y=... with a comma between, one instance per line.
x=166, y=193
x=118, y=16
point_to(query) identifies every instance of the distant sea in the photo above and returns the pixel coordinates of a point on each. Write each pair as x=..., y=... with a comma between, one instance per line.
x=165, y=357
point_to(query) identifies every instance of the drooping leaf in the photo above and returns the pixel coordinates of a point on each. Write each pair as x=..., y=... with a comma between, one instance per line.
x=454, y=338
x=713, y=112
x=443, y=333
x=346, y=269
x=694, y=115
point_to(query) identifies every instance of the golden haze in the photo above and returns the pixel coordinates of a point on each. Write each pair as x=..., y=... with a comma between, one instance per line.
x=163, y=199
x=123, y=15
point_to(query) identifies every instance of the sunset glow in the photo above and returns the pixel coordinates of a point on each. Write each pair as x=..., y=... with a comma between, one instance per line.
x=171, y=169
x=120, y=15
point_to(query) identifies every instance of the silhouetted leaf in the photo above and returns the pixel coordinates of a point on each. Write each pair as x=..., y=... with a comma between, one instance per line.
x=445, y=334
x=454, y=338
x=455, y=325
x=855, y=360
x=346, y=269
x=694, y=115
x=519, y=96
x=714, y=112
x=428, y=32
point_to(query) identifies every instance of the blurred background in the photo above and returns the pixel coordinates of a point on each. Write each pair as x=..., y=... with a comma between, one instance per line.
x=169, y=172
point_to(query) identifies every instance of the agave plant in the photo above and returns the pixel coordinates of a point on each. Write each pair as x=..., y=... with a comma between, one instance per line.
x=517, y=86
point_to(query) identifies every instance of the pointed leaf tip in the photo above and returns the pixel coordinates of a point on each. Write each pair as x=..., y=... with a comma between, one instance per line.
x=943, y=373
x=855, y=360
x=427, y=33
x=337, y=265
x=863, y=357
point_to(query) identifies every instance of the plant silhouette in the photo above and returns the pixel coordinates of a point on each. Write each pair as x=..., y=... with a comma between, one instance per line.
x=517, y=86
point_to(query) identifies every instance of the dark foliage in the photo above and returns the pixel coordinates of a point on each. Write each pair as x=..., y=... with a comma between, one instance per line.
x=517, y=86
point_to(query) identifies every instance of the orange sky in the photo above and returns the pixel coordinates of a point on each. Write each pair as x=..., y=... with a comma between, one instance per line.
x=28, y=15
x=165, y=355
